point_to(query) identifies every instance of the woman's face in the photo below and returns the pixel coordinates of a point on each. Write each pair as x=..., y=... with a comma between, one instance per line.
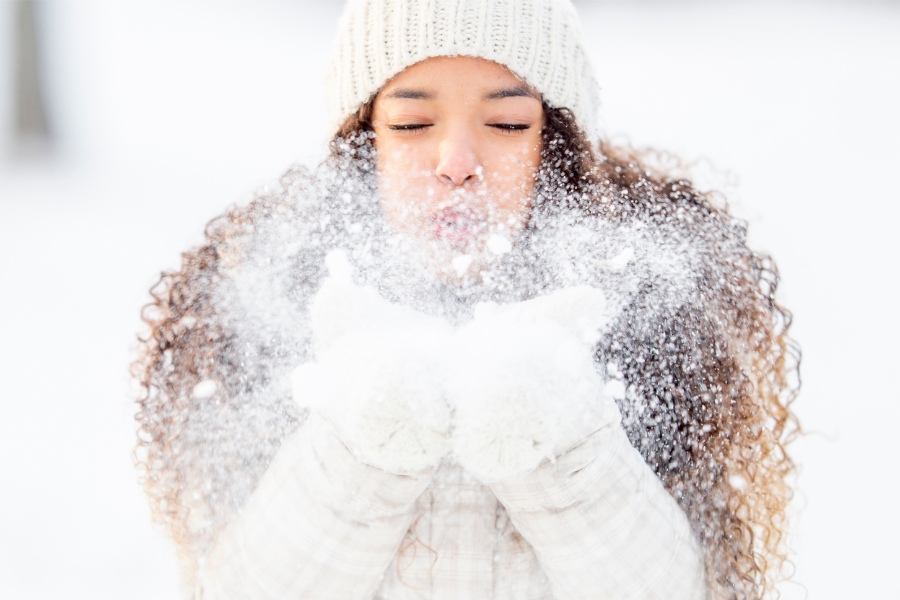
x=458, y=142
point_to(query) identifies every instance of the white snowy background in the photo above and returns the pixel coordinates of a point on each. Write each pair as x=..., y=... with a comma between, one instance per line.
x=166, y=112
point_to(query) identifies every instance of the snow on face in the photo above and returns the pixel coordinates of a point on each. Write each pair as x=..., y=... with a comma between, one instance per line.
x=459, y=143
x=279, y=263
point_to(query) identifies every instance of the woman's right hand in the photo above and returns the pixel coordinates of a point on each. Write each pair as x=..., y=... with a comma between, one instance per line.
x=327, y=517
x=378, y=375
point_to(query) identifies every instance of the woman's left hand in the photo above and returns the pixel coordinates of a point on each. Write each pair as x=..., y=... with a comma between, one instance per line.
x=526, y=387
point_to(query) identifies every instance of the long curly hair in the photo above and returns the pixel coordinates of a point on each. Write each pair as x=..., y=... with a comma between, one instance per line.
x=709, y=387
x=715, y=382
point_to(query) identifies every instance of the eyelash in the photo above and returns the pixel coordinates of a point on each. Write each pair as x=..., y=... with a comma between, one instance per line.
x=409, y=130
x=511, y=128
x=415, y=127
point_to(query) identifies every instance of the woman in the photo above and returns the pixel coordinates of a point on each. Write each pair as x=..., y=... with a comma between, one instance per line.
x=473, y=354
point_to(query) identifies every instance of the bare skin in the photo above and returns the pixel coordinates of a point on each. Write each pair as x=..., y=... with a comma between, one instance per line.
x=459, y=143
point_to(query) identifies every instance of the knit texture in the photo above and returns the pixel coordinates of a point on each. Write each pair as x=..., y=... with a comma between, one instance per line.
x=538, y=40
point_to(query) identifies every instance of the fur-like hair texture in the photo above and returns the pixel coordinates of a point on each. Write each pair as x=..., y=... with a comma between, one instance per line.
x=709, y=377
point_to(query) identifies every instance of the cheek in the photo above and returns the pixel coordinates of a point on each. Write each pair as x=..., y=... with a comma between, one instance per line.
x=512, y=176
x=401, y=163
x=405, y=194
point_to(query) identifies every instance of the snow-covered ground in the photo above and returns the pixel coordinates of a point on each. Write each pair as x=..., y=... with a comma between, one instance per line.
x=170, y=111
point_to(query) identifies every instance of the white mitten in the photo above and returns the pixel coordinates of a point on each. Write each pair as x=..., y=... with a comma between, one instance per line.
x=378, y=374
x=524, y=383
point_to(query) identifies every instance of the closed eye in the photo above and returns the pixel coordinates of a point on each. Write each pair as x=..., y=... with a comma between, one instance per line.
x=510, y=128
x=410, y=127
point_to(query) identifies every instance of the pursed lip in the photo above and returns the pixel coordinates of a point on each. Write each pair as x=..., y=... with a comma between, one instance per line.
x=458, y=226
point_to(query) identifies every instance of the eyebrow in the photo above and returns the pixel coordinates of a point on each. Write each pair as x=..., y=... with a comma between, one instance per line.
x=410, y=94
x=514, y=92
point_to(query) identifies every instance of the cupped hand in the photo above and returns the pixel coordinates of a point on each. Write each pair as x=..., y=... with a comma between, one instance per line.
x=524, y=384
x=378, y=374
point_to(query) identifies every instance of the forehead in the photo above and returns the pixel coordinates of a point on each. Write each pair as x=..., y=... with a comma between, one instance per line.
x=456, y=73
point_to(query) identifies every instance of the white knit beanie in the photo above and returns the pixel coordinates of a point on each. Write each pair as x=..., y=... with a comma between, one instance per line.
x=538, y=40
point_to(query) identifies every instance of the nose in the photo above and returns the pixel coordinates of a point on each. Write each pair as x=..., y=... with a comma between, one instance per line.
x=457, y=161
